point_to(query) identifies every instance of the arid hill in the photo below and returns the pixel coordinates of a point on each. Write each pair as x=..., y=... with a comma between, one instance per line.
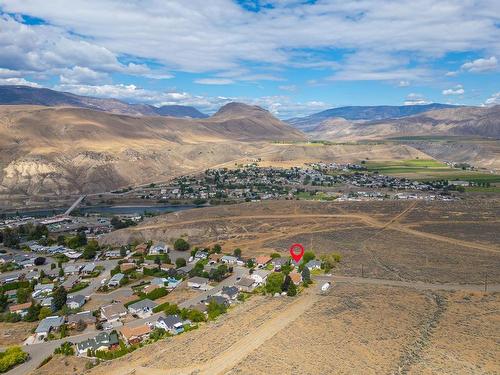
x=461, y=121
x=68, y=150
x=25, y=95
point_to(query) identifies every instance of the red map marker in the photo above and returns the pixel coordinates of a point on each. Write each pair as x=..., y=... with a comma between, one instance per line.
x=297, y=255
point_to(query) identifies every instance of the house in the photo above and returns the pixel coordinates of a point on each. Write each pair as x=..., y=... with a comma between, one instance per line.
x=218, y=300
x=70, y=282
x=11, y=295
x=125, y=267
x=201, y=307
x=173, y=283
x=296, y=277
x=42, y=289
x=113, y=312
x=142, y=308
x=115, y=280
x=134, y=335
x=88, y=268
x=21, y=309
x=201, y=255
x=214, y=258
x=229, y=292
x=158, y=249
x=198, y=283
x=51, y=323
x=141, y=249
x=160, y=281
x=170, y=323
x=85, y=316
x=112, y=254
x=313, y=264
x=279, y=262
x=76, y=301
x=186, y=269
x=32, y=275
x=47, y=302
x=260, y=276
x=262, y=261
x=229, y=259
x=72, y=269
x=102, y=342
x=246, y=284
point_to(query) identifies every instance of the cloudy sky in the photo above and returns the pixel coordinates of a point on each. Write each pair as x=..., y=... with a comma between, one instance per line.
x=291, y=57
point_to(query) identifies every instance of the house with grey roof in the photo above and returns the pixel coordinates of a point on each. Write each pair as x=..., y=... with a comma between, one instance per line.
x=142, y=308
x=229, y=292
x=158, y=249
x=246, y=284
x=279, y=262
x=217, y=299
x=313, y=264
x=113, y=312
x=51, y=323
x=102, y=342
x=85, y=316
x=115, y=280
x=72, y=269
x=88, y=268
x=198, y=282
x=170, y=323
x=229, y=259
x=75, y=301
x=186, y=269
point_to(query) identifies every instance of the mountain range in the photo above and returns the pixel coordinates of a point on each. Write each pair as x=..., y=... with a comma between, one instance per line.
x=365, y=113
x=41, y=96
x=60, y=143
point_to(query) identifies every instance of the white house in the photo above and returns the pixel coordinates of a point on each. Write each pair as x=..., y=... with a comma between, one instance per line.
x=260, y=276
x=198, y=283
x=76, y=301
x=158, y=249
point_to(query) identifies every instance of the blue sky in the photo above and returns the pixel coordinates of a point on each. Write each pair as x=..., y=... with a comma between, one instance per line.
x=291, y=57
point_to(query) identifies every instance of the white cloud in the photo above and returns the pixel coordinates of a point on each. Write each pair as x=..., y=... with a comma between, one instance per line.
x=481, y=65
x=457, y=90
x=82, y=75
x=494, y=99
x=18, y=81
x=200, y=36
x=214, y=81
x=415, y=99
x=404, y=83
x=451, y=74
x=291, y=88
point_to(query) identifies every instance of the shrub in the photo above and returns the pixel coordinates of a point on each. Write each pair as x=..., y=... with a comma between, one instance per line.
x=157, y=293
x=12, y=357
x=66, y=348
x=181, y=245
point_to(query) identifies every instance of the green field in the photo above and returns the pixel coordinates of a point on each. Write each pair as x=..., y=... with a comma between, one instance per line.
x=428, y=169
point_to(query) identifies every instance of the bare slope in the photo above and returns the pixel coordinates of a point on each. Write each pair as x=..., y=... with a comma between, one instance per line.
x=461, y=121
x=68, y=150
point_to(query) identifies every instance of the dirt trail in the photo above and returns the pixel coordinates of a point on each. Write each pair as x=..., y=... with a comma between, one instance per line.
x=237, y=352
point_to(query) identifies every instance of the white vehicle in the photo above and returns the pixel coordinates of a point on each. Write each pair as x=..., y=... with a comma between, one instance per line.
x=103, y=281
x=325, y=286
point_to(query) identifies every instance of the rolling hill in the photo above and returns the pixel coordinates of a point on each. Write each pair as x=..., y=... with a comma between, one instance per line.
x=61, y=150
x=459, y=121
x=18, y=95
x=364, y=113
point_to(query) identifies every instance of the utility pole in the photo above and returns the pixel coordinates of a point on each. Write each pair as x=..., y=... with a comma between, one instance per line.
x=485, y=282
x=362, y=271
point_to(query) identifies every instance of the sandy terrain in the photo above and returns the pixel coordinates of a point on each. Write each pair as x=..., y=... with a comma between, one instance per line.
x=60, y=365
x=15, y=333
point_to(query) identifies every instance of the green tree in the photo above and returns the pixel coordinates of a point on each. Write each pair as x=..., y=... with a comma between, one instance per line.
x=274, y=283
x=91, y=249
x=158, y=261
x=180, y=262
x=217, y=249
x=214, y=309
x=11, y=238
x=33, y=313
x=123, y=251
x=44, y=312
x=59, y=298
x=23, y=295
x=237, y=252
x=275, y=255
x=286, y=283
x=306, y=275
x=308, y=255
x=181, y=245
x=292, y=290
